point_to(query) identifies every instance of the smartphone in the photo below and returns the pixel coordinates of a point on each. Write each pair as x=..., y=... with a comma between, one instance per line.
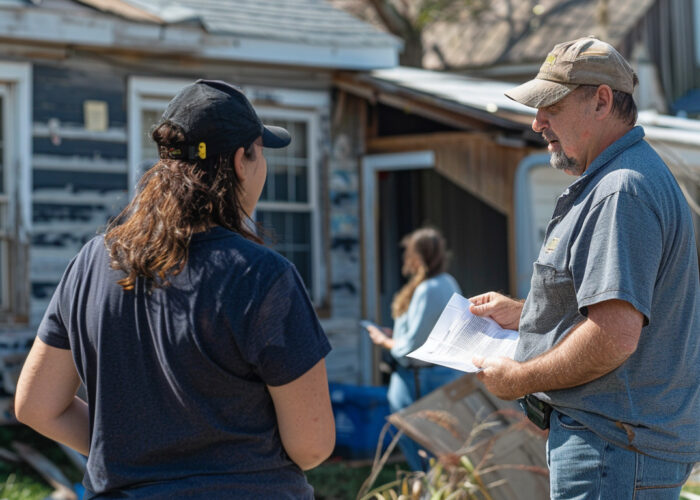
x=365, y=323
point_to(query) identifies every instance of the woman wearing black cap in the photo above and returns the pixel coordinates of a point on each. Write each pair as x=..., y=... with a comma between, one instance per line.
x=200, y=351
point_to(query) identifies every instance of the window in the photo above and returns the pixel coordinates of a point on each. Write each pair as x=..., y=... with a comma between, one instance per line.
x=15, y=205
x=288, y=207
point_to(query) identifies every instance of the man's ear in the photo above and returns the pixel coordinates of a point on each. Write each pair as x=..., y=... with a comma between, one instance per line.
x=238, y=166
x=604, y=101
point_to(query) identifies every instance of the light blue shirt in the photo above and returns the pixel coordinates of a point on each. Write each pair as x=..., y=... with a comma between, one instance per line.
x=623, y=230
x=412, y=328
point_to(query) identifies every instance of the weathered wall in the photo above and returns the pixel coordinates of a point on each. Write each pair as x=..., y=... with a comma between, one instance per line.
x=80, y=177
x=348, y=125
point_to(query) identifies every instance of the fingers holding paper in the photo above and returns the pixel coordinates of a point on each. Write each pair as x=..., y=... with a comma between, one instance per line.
x=501, y=376
x=503, y=310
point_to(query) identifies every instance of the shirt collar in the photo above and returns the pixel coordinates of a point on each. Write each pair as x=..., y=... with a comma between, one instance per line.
x=632, y=137
x=569, y=196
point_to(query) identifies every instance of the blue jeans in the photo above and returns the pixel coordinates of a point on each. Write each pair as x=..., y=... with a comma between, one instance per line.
x=585, y=466
x=402, y=393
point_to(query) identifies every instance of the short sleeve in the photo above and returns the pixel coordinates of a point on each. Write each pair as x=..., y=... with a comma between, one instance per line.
x=52, y=330
x=617, y=253
x=286, y=338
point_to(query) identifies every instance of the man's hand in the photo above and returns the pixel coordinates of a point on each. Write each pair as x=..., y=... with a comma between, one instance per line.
x=503, y=310
x=501, y=376
x=594, y=347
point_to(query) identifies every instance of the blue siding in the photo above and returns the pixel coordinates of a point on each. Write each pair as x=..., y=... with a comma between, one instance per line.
x=69, y=204
x=60, y=93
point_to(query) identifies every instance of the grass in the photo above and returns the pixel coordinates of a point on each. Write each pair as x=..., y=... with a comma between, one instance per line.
x=341, y=480
x=334, y=480
x=22, y=482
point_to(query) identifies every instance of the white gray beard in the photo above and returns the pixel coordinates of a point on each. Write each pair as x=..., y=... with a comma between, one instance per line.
x=560, y=161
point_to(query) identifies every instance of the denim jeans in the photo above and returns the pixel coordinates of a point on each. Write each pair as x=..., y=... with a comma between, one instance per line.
x=582, y=465
x=402, y=393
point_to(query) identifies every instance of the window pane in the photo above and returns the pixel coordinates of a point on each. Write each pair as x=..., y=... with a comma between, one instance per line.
x=289, y=233
x=149, y=118
x=280, y=183
x=287, y=178
x=301, y=184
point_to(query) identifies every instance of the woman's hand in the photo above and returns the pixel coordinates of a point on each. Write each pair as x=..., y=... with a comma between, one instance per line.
x=380, y=338
x=503, y=310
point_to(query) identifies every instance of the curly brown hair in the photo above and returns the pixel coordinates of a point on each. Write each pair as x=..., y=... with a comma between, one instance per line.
x=176, y=198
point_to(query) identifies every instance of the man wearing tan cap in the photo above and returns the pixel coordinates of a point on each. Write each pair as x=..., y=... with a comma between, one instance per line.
x=609, y=351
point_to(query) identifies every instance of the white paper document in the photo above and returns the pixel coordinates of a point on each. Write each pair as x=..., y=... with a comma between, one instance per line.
x=458, y=336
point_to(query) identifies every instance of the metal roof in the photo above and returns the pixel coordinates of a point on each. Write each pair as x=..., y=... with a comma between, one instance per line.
x=306, y=33
x=476, y=93
x=306, y=21
x=487, y=95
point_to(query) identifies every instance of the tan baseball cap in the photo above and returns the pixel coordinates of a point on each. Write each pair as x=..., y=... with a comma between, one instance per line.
x=586, y=61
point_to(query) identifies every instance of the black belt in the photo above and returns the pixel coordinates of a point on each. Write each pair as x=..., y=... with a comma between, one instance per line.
x=537, y=411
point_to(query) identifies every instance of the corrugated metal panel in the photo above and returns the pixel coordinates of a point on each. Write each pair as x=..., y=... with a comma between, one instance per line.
x=476, y=93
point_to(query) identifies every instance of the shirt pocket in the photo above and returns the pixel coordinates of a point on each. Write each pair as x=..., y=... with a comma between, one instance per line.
x=552, y=297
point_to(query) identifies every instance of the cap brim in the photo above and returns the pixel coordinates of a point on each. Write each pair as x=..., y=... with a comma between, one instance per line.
x=540, y=93
x=275, y=137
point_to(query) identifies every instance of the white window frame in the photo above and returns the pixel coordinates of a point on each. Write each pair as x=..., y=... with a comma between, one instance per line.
x=297, y=105
x=372, y=165
x=16, y=80
x=312, y=205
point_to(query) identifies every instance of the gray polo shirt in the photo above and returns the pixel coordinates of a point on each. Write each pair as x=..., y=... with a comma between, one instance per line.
x=624, y=231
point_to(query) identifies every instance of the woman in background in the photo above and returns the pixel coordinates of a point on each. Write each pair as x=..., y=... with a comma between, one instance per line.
x=200, y=351
x=415, y=309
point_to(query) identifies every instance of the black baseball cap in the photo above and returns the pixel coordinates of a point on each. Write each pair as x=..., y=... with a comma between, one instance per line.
x=216, y=117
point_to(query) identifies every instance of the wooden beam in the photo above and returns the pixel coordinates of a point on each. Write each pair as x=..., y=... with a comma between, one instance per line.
x=124, y=9
x=420, y=141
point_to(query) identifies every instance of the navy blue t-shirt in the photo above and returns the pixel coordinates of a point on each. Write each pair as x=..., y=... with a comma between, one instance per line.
x=177, y=377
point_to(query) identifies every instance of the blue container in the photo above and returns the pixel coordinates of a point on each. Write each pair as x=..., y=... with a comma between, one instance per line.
x=360, y=413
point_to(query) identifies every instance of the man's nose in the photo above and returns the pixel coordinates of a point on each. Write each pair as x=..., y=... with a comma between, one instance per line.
x=540, y=122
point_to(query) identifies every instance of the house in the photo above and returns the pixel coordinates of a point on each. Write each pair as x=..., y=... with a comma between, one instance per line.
x=457, y=124
x=378, y=149
x=83, y=82
x=452, y=151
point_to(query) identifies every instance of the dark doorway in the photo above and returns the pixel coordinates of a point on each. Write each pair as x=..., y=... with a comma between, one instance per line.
x=476, y=234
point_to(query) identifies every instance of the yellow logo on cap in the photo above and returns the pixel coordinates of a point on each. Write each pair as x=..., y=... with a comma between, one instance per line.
x=202, y=150
x=551, y=59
